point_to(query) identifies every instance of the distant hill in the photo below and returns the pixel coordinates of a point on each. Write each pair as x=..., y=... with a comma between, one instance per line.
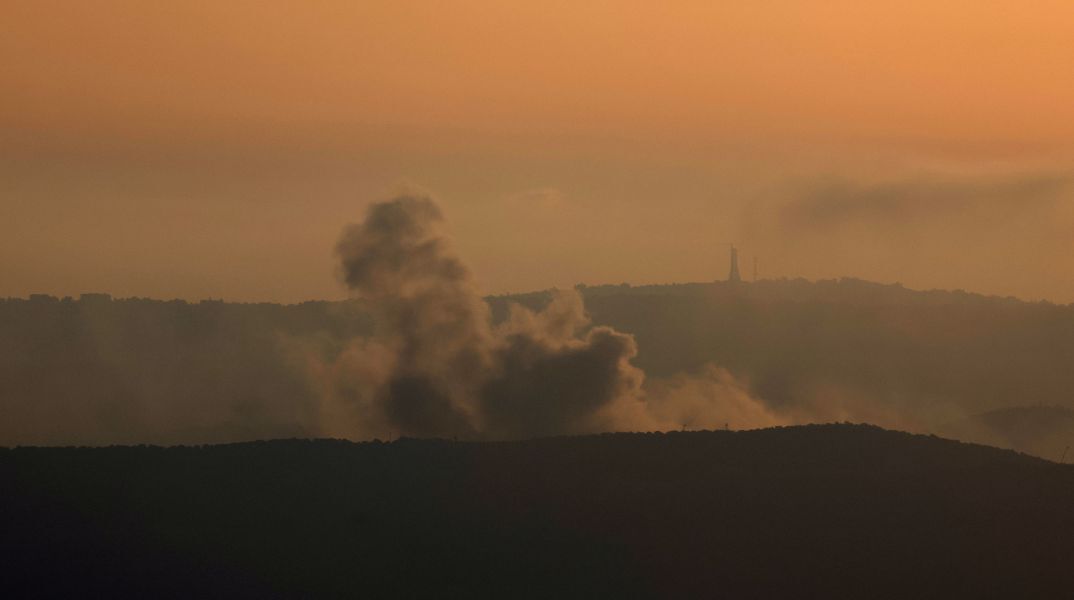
x=812, y=512
x=98, y=370
x=1040, y=430
x=918, y=348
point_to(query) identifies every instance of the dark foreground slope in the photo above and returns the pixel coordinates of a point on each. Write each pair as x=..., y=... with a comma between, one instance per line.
x=817, y=511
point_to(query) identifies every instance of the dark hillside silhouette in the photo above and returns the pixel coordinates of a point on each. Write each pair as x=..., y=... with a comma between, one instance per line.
x=814, y=511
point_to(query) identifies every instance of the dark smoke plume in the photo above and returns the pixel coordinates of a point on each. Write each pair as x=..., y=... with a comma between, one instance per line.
x=832, y=203
x=446, y=371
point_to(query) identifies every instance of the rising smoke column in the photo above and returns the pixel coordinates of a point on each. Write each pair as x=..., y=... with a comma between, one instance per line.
x=450, y=372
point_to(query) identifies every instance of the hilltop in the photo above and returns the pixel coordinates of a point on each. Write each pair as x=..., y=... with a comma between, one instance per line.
x=813, y=511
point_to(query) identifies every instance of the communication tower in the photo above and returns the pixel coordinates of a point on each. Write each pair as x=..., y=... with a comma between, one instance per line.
x=733, y=275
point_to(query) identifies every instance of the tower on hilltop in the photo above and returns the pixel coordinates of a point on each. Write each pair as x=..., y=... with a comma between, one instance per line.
x=733, y=275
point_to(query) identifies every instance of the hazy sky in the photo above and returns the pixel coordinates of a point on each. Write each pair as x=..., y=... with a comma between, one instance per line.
x=216, y=149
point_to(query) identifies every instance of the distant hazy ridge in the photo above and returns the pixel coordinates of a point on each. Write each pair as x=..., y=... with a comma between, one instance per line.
x=99, y=371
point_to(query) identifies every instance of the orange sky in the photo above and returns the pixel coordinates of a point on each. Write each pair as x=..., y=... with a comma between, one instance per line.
x=194, y=149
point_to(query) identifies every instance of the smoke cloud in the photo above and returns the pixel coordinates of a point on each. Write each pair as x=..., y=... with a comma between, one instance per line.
x=437, y=366
x=825, y=205
x=445, y=369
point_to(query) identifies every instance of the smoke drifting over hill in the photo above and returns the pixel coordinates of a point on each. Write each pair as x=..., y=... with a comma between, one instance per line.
x=420, y=352
x=443, y=368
